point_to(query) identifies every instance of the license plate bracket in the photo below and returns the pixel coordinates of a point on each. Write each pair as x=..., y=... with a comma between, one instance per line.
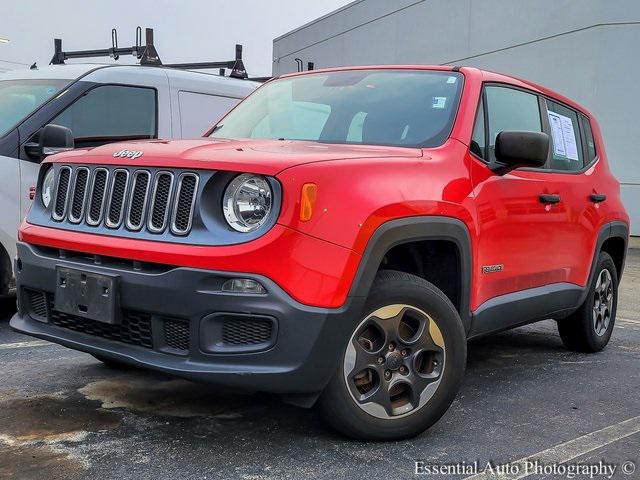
x=89, y=295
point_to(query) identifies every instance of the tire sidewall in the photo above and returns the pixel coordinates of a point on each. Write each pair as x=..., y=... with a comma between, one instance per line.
x=599, y=342
x=432, y=301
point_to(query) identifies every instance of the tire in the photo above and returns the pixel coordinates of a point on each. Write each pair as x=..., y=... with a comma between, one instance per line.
x=114, y=364
x=432, y=350
x=6, y=274
x=583, y=330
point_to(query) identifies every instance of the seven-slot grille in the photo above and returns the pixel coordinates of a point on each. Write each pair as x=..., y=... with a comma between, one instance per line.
x=135, y=199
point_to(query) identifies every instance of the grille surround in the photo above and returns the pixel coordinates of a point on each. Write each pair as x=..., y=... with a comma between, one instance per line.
x=64, y=183
x=80, y=185
x=178, y=217
x=95, y=221
x=127, y=199
x=151, y=224
x=136, y=203
x=117, y=174
x=208, y=225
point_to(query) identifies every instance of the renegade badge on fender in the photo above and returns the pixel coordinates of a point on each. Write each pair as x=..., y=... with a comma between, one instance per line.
x=337, y=239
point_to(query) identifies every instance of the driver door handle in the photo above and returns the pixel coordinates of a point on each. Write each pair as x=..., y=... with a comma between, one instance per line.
x=598, y=197
x=549, y=198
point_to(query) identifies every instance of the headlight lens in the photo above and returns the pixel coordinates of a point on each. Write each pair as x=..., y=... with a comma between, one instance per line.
x=247, y=202
x=46, y=189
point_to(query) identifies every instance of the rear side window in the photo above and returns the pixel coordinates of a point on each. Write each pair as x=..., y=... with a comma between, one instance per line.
x=566, y=144
x=588, y=139
x=112, y=111
x=510, y=109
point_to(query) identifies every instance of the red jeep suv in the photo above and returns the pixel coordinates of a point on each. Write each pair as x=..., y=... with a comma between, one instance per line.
x=338, y=238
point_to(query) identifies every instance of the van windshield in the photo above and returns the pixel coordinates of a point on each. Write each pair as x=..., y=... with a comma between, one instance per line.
x=410, y=108
x=18, y=98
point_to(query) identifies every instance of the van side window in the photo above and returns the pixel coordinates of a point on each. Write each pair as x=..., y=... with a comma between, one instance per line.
x=510, y=109
x=566, y=144
x=112, y=111
x=478, y=137
x=588, y=139
x=199, y=112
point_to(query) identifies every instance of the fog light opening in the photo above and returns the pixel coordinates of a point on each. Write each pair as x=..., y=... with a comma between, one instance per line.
x=243, y=285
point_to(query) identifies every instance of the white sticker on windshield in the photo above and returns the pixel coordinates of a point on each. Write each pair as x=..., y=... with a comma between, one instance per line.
x=564, y=136
x=439, y=102
x=451, y=80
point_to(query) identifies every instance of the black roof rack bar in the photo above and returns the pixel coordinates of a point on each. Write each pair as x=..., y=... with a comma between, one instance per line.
x=146, y=53
x=236, y=66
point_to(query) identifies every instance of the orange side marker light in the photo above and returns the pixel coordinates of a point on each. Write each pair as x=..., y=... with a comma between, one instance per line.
x=307, y=201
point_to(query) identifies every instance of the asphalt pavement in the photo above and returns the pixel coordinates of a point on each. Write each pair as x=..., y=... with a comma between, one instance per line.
x=63, y=414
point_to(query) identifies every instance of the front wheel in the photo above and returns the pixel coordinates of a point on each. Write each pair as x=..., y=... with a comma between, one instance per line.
x=403, y=364
x=6, y=274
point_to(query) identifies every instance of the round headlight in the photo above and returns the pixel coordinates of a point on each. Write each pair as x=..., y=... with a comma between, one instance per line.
x=46, y=189
x=247, y=202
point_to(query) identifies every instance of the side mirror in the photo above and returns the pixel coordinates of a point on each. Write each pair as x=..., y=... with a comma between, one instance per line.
x=52, y=139
x=55, y=139
x=520, y=149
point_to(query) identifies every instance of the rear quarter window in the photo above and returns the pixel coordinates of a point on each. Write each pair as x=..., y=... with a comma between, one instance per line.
x=589, y=141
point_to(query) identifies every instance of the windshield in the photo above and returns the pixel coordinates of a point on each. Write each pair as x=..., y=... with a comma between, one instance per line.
x=18, y=98
x=410, y=108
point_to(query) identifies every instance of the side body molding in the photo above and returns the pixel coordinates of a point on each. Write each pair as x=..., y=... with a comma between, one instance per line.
x=556, y=300
x=412, y=229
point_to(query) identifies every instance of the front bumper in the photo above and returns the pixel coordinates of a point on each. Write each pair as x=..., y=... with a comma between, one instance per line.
x=175, y=319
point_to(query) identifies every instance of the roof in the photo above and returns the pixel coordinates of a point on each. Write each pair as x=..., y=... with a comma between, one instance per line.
x=51, y=72
x=441, y=68
x=105, y=73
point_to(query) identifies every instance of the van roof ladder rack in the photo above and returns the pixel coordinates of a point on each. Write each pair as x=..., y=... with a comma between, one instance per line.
x=147, y=54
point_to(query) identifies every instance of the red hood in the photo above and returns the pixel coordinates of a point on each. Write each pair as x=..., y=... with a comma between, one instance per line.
x=268, y=157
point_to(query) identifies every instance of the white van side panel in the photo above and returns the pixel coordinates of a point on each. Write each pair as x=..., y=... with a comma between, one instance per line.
x=199, y=112
x=10, y=201
x=200, y=99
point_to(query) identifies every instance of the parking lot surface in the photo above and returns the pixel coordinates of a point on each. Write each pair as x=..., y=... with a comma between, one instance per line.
x=63, y=414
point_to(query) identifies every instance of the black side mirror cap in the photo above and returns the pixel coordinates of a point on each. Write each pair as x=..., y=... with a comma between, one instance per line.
x=55, y=139
x=515, y=149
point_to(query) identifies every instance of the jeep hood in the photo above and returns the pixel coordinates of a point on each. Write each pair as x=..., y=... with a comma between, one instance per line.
x=267, y=157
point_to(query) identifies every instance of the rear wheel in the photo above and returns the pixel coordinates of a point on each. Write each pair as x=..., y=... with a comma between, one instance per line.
x=590, y=327
x=403, y=364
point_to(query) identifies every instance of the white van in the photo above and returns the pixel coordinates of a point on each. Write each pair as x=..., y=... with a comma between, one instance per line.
x=99, y=104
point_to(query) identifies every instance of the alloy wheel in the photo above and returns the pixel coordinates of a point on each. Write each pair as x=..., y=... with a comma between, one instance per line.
x=603, y=302
x=394, y=361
